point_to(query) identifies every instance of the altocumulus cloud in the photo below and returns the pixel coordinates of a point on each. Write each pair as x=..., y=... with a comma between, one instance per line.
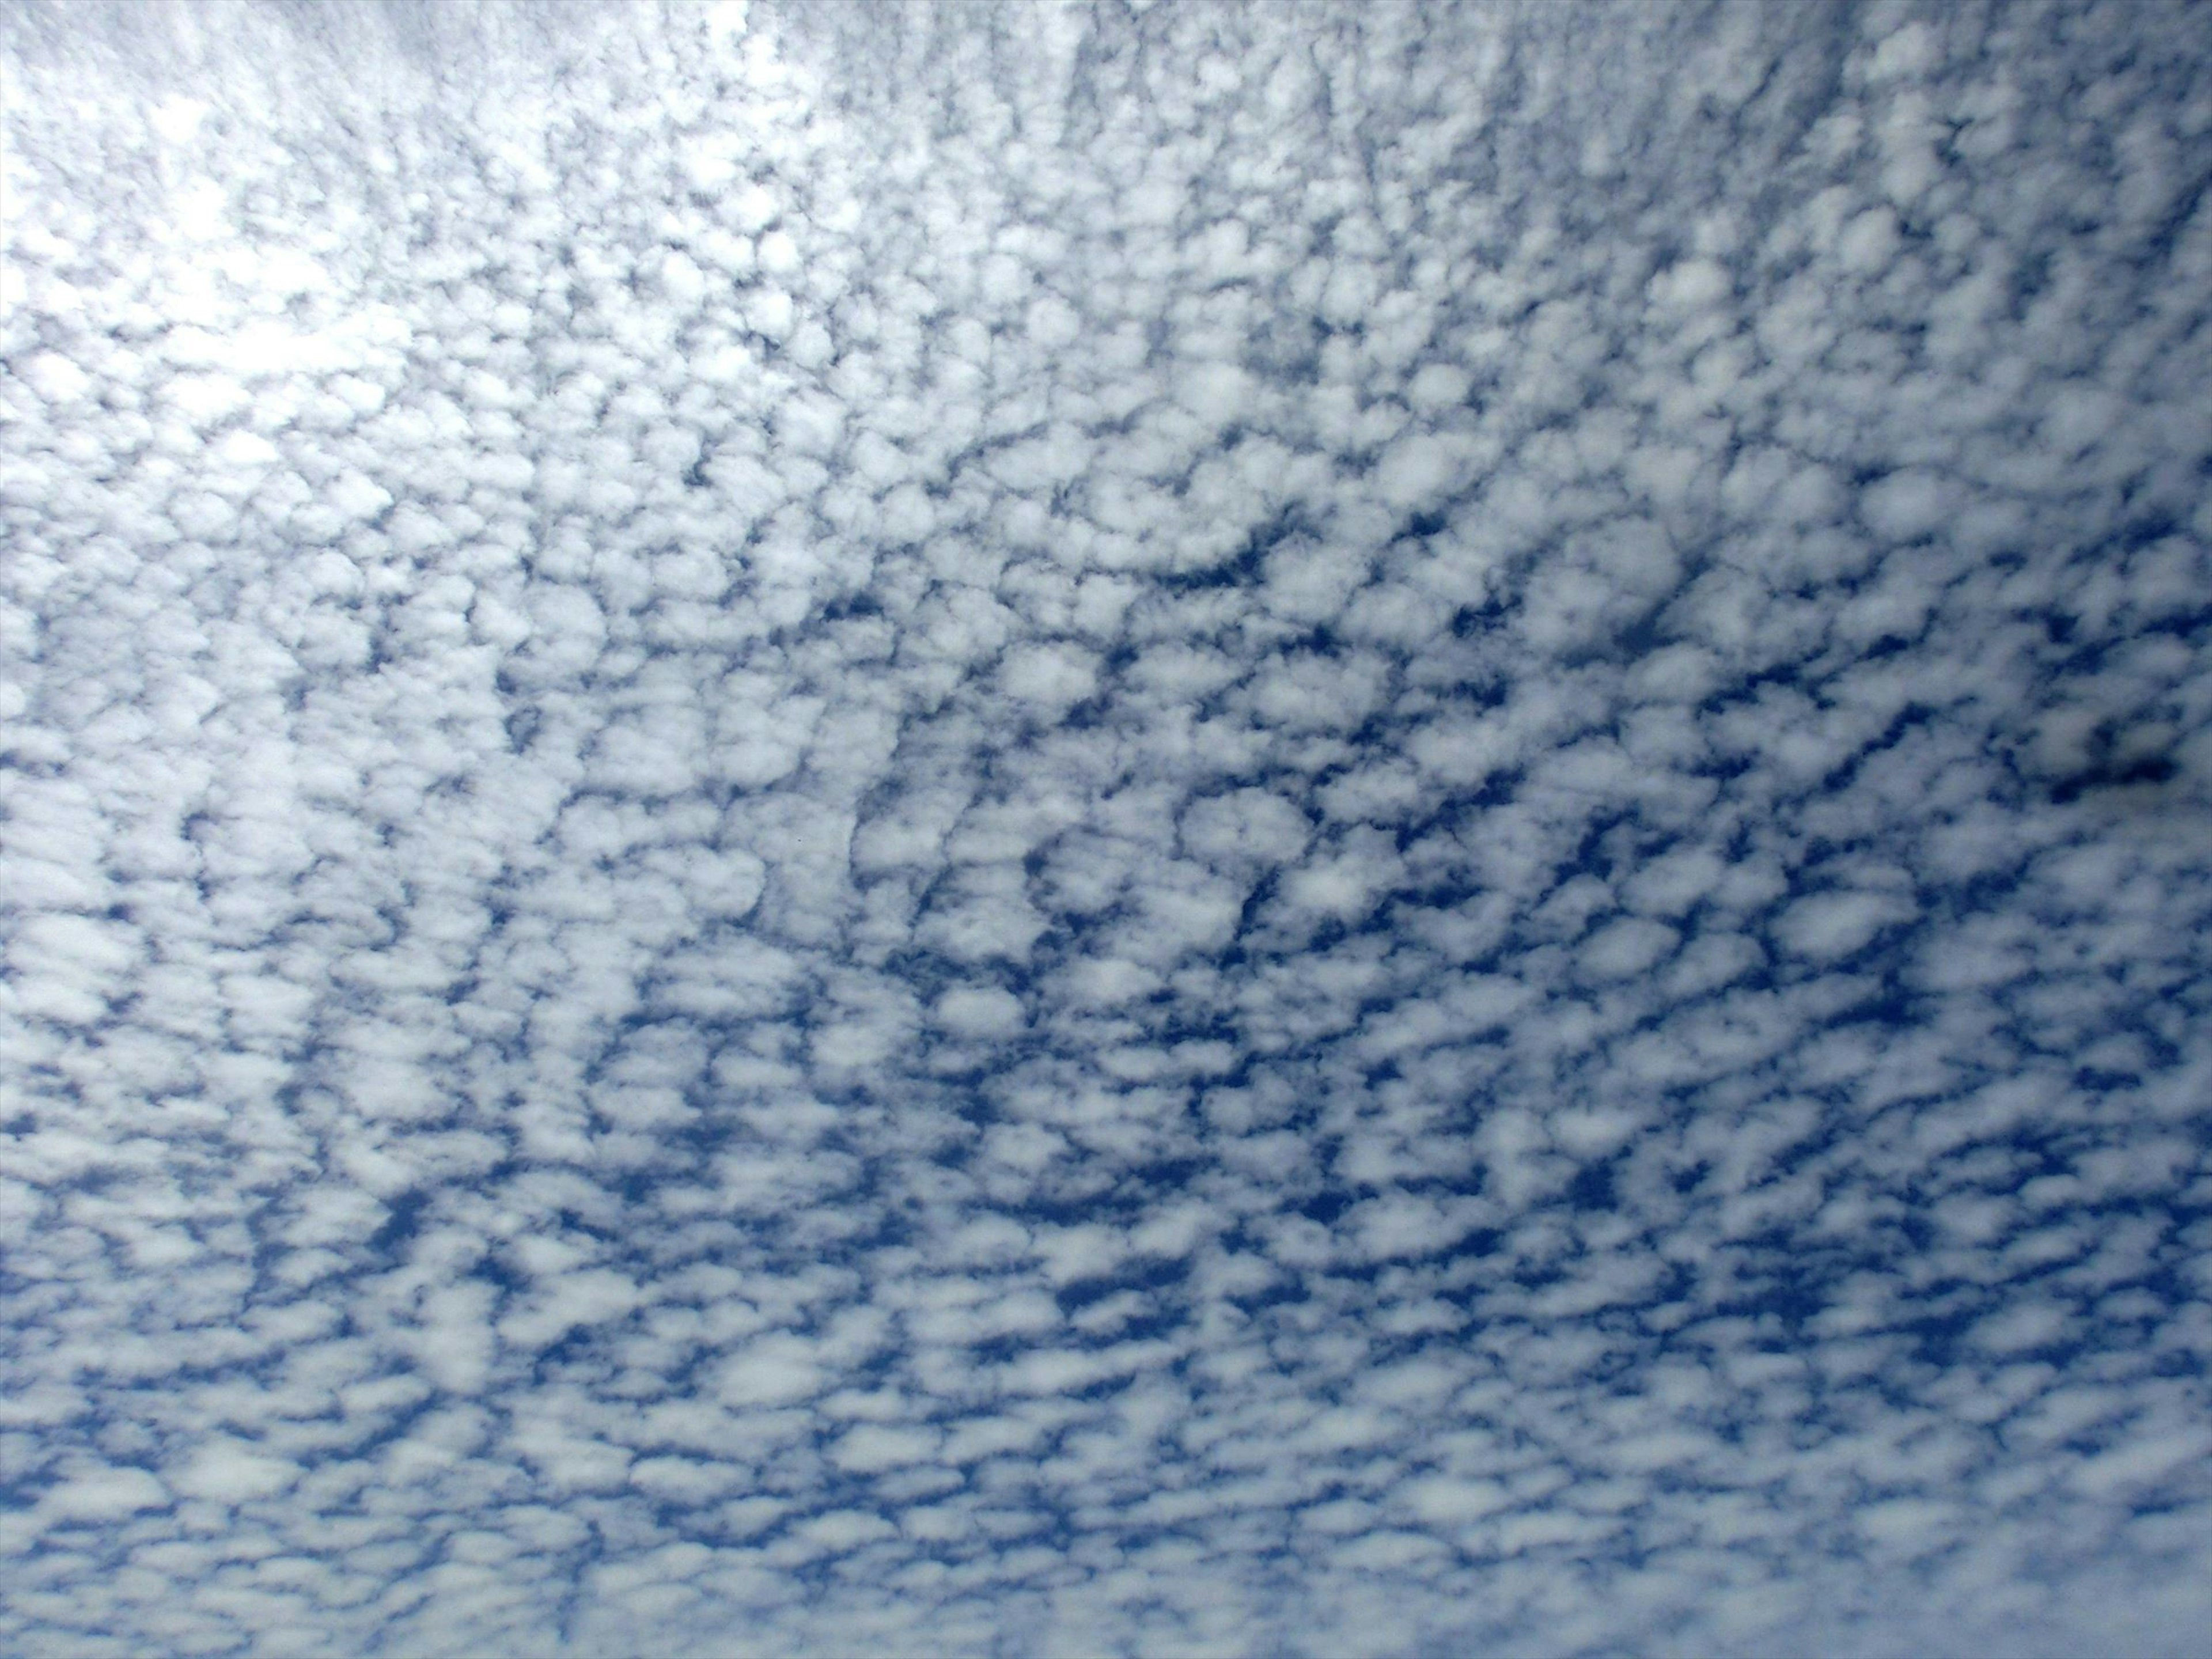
x=1054, y=828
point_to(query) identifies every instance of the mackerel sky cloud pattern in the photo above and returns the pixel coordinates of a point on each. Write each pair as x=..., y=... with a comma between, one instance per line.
x=1043, y=829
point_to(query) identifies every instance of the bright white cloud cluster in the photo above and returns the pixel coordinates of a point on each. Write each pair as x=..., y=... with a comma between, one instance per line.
x=1189, y=828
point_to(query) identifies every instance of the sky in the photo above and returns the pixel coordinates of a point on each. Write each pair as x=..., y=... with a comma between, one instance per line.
x=1058, y=829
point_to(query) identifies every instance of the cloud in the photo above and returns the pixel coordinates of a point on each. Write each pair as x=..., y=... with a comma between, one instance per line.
x=1102, y=827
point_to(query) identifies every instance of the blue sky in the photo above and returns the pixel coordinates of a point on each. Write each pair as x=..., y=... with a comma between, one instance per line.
x=1061, y=829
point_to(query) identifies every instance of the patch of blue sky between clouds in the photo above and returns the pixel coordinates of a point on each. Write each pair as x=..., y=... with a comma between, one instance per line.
x=1126, y=829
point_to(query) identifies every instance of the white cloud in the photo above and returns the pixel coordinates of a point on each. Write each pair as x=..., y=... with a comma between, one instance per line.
x=105, y=1494
x=1132, y=828
x=1828, y=925
x=1050, y=678
x=774, y=1371
x=228, y=1471
x=980, y=1012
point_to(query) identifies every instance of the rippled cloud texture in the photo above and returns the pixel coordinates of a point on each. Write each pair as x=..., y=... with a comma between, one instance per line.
x=1171, y=829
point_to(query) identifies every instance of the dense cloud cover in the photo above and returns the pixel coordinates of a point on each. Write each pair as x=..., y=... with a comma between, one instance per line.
x=1182, y=828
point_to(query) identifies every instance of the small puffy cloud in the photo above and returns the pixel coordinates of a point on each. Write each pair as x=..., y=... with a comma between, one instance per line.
x=1630, y=946
x=1693, y=285
x=566, y=1301
x=1443, y=1500
x=56, y=378
x=1049, y=678
x=1671, y=884
x=1104, y=981
x=874, y=1447
x=1308, y=580
x=228, y=1471
x=1465, y=751
x=1245, y=824
x=1829, y=926
x=979, y=1011
x=771, y=1371
x=1342, y=887
x=1419, y=469
x=1908, y=505
x=2022, y=1328
x=105, y=1495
